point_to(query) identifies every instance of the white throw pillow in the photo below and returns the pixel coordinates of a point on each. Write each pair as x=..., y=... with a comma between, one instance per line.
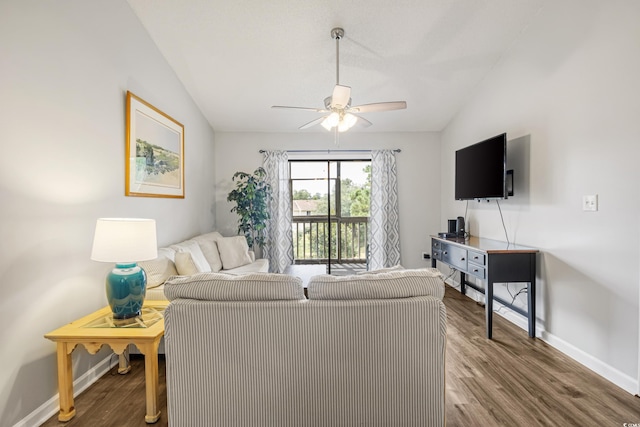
x=210, y=252
x=185, y=264
x=158, y=270
x=193, y=248
x=234, y=252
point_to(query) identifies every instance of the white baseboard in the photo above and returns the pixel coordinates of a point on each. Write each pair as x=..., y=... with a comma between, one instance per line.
x=606, y=371
x=622, y=380
x=52, y=406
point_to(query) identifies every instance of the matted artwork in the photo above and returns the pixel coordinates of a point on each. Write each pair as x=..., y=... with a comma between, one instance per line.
x=154, y=156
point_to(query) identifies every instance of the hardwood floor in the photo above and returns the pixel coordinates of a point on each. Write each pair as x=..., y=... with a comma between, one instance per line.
x=511, y=380
x=514, y=380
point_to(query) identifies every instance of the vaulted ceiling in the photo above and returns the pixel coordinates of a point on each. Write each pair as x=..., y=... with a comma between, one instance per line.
x=238, y=58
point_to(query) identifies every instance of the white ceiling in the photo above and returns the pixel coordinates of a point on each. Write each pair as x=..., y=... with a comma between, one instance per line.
x=238, y=58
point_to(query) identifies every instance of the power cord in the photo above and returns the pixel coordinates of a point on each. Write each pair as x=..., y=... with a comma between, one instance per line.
x=513, y=296
x=466, y=209
x=502, y=218
x=452, y=272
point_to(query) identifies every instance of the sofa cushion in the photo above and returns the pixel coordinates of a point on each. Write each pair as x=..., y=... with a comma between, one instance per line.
x=383, y=270
x=234, y=252
x=185, y=264
x=227, y=287
x=258, y=266
x=198, y=257
x=158, y=270
x=393, y=284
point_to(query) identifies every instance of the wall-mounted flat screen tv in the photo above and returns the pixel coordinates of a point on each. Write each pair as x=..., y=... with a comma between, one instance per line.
x=481, y=170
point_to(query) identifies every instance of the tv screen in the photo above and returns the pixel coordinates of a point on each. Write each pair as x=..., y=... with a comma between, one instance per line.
x=481, y=170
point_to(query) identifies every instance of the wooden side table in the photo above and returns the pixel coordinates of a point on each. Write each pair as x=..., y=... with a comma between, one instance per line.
x=99, y=328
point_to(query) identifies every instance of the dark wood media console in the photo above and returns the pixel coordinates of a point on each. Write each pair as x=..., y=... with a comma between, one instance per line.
x=491, y=261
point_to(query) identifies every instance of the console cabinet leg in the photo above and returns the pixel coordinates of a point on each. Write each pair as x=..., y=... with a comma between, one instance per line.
x=531, y=293
x=488, y=294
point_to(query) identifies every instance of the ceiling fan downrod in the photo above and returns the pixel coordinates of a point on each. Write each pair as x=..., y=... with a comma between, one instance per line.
x=337, y=34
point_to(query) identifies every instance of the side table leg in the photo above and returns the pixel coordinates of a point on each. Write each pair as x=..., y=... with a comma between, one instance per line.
x=123, y=362
x=65, y=381
x=151, y=379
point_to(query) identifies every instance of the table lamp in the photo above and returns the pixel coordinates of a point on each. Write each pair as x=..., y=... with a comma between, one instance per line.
x=125, y=241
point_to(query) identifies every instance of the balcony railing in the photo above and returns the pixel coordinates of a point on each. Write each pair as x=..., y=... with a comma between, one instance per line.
x=348, y=240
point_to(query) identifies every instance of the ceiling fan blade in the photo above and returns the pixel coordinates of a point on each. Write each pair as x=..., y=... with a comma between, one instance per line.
x=316, y=110
x=379, y=106
x=340, y=97
x=313, y=123
x=362, y=122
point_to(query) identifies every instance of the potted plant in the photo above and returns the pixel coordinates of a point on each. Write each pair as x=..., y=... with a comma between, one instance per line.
x=251, y=197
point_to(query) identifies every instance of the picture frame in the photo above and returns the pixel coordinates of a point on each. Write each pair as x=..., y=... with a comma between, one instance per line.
x=154, y=153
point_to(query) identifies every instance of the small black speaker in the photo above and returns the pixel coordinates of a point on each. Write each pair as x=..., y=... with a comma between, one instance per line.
x=460, y=229
x=453, y=225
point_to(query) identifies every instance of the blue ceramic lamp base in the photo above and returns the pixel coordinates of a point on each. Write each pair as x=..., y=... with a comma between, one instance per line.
x=126, y=287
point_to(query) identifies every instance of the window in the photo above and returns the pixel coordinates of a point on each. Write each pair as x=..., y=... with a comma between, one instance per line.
x=330, y=205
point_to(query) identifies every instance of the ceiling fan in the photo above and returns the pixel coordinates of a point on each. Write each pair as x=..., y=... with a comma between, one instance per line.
x=338, y=112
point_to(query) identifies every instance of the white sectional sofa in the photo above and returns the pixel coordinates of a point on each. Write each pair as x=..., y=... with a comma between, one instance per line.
x=210, y=252
x=251, y=350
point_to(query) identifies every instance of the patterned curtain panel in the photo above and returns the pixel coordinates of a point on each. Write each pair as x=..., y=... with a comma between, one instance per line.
x=384, y=227
x=279, y=247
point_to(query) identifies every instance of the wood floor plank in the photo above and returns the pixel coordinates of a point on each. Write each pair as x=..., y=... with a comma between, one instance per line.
x=512, y=380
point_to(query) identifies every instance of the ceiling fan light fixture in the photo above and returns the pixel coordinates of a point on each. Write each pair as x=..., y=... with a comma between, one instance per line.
x=347, y=122
x=338, y=105
x=331, y=121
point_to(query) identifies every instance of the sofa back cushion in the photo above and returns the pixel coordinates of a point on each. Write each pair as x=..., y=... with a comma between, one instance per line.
x=393, y=284
x=382, y=270
x=227, y=287
x=213, y=235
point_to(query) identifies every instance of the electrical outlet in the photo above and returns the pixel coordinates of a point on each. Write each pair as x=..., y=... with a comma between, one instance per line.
x=426, y=255
x=590, y=203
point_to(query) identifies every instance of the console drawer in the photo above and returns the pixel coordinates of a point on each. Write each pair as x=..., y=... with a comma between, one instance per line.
x=477, y=258
x=477, y=271
x=455, y=256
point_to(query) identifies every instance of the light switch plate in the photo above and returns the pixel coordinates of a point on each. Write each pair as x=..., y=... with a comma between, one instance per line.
x=590, y=203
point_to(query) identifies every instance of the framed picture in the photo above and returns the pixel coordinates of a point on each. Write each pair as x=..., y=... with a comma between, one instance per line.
x=154, y=155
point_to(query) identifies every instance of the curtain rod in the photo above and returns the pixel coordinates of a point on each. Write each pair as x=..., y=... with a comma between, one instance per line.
x=396, y=150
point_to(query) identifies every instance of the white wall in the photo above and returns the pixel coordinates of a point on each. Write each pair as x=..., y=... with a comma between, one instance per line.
x=418, y=176
x=567, y=96
x=65, y=69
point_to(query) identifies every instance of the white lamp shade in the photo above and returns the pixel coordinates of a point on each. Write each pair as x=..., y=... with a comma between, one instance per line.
x=123, y=240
